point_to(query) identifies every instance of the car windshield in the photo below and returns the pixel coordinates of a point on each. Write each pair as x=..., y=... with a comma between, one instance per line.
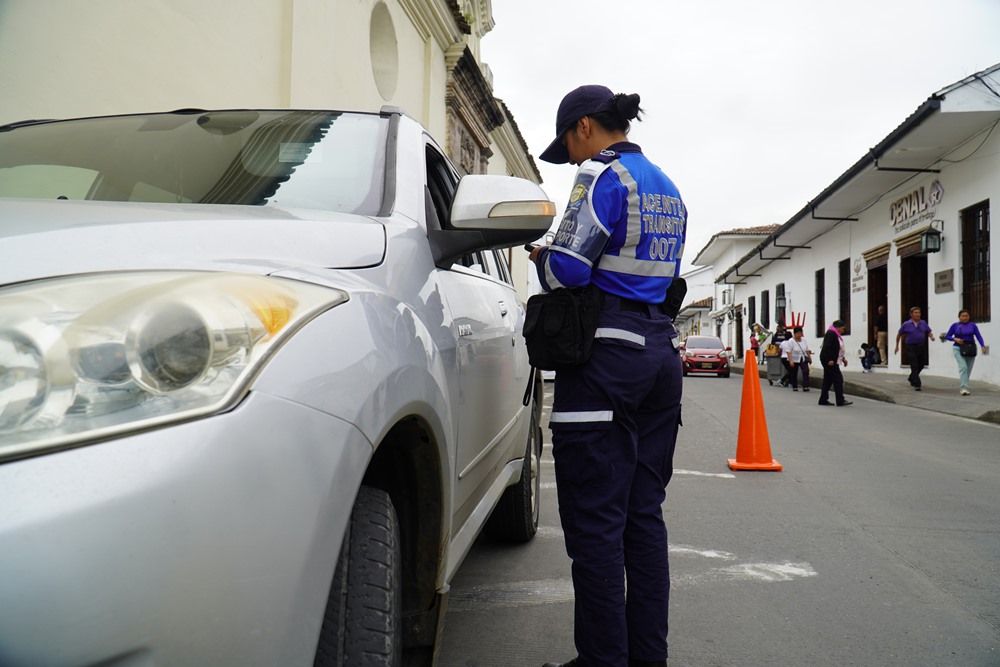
x=289, y=159
x=703, y=343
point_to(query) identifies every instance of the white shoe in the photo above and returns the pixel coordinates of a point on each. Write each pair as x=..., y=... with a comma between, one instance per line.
x=965, y=392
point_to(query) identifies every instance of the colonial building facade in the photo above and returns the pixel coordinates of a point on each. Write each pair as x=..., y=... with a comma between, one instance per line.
x=709, y=309
x=907, y=225
x=70, y=59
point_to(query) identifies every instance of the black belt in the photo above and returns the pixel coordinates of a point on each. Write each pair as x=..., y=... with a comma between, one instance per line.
x=633, y=306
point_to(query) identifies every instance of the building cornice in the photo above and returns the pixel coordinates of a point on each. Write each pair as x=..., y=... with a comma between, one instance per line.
x=440, y=19
x=514, y=148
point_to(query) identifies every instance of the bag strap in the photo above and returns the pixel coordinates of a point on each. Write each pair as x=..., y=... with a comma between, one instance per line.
x=530, y=389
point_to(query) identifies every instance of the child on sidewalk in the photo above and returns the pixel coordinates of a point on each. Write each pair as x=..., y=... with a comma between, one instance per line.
x=867, y=356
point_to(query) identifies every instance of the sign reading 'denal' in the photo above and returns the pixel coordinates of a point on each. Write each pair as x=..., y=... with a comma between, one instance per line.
x=918, y=206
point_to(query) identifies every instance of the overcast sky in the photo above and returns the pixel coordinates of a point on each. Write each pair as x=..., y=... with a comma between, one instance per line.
x=752, y=108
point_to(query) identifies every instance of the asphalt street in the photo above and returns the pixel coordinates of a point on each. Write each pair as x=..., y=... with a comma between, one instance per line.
x=878, y=545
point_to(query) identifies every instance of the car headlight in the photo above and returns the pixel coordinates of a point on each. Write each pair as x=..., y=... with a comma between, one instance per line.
x=88, y=357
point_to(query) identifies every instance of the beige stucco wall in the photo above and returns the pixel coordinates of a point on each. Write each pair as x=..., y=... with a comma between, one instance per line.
x=65, y=58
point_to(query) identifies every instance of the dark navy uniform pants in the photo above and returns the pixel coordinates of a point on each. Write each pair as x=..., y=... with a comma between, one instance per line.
x=614, y=427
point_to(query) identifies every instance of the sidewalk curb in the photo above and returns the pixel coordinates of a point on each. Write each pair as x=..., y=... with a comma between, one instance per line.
x=850, y=387
x=855, y=389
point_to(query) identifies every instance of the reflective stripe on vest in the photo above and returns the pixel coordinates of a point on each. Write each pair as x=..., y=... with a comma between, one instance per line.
x=638, y=267
x=633, y=229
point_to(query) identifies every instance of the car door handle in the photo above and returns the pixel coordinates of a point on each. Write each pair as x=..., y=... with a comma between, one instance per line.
x=503, y=308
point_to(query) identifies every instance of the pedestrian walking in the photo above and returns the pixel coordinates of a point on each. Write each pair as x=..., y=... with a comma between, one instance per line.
x=914, y=334
x=758, y=334
x=963, y=335
x=781, y=337
x=797, y=356
x=882, y=334
x=615, y=418
x=832, y=356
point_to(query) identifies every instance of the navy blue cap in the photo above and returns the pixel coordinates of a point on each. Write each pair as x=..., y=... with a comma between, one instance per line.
x=579, y=102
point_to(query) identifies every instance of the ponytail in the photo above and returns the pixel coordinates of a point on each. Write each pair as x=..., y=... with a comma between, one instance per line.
x=622, y=108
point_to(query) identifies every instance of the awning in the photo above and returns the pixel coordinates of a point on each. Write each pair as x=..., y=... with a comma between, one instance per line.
x=955, y=120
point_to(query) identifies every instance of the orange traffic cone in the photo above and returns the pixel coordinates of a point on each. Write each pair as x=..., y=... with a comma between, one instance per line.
x=753, y=446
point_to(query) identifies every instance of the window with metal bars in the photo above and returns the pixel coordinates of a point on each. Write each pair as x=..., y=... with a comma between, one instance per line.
x=780, y=305
x=844, y=271
x=821, y=302
x=752, y=308
x=765, y=309
x=976, y=260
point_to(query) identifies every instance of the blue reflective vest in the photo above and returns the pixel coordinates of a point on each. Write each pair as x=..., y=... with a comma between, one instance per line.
x=623, y=229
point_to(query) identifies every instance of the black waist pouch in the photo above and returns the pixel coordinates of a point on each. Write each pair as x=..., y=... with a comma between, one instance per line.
x=559, y=327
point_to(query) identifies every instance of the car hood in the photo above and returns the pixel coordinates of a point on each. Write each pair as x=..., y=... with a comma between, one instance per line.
x=43, y=238
x=704, y=350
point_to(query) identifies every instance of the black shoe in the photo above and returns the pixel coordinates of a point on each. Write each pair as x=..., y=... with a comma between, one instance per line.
x=646, y=663
x=805, y=388
x=571, y=663
x=825, y=403
x=840, y=405
x=916, y=387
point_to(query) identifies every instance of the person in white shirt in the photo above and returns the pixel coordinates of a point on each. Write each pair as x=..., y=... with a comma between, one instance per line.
x=798, y=355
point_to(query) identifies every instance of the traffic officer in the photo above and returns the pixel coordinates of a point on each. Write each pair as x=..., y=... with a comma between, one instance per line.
x=615, y=418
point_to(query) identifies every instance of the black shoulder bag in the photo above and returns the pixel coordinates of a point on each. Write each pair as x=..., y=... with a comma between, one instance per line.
x=559, y=327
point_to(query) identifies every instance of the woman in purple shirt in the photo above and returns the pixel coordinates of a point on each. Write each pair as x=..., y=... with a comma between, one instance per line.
x=964, y=333
x=914, y=334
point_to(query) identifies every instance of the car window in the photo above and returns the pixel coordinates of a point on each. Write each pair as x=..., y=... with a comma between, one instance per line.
x=490, y=264
x=441, y=184
x=46, y=181
x=501, y=259
x=289, y=159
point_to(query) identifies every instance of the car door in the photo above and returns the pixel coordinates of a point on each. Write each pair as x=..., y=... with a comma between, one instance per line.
x=485, y=314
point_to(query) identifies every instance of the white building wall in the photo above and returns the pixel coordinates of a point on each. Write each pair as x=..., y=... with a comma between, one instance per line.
x=736, y=249
x=965, y=184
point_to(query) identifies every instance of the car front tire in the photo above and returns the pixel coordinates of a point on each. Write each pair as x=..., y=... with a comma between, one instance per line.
x=362, y=624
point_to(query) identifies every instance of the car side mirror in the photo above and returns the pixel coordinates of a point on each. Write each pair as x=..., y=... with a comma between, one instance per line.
x=682, y=346
x=491, y=211
x=729, y=349
x=485, y=202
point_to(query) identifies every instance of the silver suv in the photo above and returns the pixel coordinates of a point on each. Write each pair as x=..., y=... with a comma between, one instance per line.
x=261, y=380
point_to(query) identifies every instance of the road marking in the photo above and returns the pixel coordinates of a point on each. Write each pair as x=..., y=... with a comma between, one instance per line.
x=514, y=594
x=560, y=591
x=683, y=550
x=550, y=532
x=769, y=572
x=695, y=473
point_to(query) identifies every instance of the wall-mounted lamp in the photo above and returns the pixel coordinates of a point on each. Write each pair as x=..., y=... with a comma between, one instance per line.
x=780, y=302
x=930, y=241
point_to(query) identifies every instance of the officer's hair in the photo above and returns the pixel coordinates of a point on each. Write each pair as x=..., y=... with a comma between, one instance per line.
x=624, y=108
